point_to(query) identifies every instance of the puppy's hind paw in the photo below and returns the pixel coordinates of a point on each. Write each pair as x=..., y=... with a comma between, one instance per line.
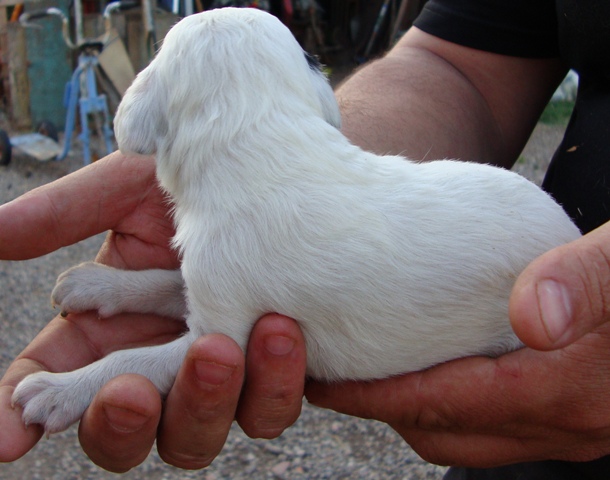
x=88, y=286
x=48, y=399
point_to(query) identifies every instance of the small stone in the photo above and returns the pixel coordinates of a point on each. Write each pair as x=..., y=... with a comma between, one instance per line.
x=281, y=468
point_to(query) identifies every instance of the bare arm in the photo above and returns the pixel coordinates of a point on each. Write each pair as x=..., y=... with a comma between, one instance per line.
x=527, y=405
x=429, y=99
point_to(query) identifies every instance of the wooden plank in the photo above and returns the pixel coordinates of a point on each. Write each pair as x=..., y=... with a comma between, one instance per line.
x=36, y=145
x=4, y=52
x=116, y=63
x=17, y=73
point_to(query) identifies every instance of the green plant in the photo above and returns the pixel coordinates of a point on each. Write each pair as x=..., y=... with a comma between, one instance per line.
x=557, y=113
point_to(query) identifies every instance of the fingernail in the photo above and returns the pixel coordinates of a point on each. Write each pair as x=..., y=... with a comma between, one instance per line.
x=279, y=345
x=555, y=308
x=124, y=420
x=213, y=373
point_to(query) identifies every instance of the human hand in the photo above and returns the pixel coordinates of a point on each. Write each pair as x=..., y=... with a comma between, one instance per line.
x=528, y=405
x=127, y=415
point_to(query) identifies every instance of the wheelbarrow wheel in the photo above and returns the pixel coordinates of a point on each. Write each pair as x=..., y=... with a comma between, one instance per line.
x=48, y=129
x=6, y=149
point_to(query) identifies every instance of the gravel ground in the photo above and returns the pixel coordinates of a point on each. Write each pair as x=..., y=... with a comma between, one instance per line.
x=322, y=444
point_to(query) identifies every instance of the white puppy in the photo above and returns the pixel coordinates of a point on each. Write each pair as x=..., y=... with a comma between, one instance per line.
x=388, y=265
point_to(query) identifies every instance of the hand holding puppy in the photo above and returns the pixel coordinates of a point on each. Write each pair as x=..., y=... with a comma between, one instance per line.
x=119, y=428
x=436, y=411
x=419, y=236
x=527, y=405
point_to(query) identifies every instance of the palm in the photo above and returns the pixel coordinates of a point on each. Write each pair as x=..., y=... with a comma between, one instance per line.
x=135, y=211
x=141, y=237
x=122, y=197
x=478, y=411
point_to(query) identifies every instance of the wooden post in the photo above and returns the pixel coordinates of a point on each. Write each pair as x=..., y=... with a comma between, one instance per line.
x=15, y=76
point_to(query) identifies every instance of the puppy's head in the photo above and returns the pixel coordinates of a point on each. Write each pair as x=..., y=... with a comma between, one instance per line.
x=223, y=70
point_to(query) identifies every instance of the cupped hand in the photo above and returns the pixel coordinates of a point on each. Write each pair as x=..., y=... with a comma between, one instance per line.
x=121, y=195
x=539, y=403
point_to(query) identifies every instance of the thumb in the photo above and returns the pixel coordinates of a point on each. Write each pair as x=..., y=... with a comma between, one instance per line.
x=564, y=294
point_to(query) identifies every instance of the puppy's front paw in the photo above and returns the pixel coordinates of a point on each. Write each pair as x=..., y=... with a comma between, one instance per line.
x=51, y=400
x=87, y=286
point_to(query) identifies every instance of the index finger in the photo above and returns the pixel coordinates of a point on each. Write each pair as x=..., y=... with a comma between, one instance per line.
x=477, y=394
x=80, y=205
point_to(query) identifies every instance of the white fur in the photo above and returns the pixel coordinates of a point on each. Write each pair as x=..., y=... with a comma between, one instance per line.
x=389, y=266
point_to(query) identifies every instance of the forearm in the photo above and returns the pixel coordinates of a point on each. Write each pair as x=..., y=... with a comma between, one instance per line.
x=410, y=105
x=429, y=99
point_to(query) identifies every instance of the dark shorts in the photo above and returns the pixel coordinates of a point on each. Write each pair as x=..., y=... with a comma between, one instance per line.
x=551, y=470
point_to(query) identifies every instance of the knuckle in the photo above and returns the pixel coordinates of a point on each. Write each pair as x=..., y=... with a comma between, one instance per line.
x=267, y=424
x=283, y=397
x=264, y=432
x=431, y=450
x=595, y=262
x=187, y=461
x=431, y=419
x=431, y=415
x=268, y=419
x=589, y=426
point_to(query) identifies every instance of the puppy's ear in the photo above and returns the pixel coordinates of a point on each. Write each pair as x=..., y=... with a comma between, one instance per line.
x=326, y=96
x=141, y=117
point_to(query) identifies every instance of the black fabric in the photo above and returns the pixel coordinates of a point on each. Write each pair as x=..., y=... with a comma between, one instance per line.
x=520, y=28
x=584, y=36
x=579, y=174
x=577, y=31
x=551, y=470
x=522, y=471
